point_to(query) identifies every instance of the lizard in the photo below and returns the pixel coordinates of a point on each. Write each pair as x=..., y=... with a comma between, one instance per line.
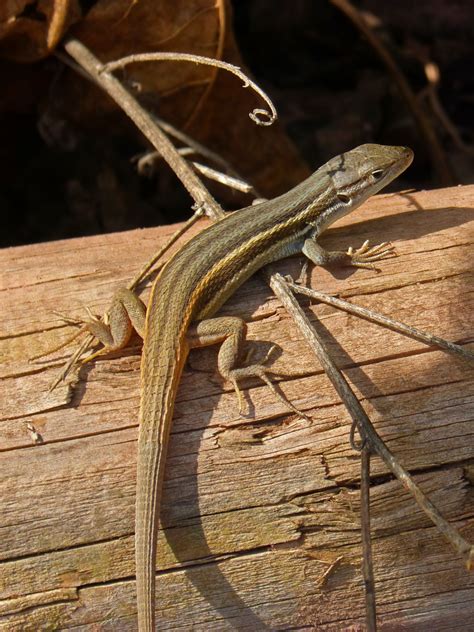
x=192, y=286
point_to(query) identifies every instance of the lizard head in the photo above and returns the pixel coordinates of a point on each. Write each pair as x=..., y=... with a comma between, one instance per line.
x=365, y=170
x=356, y=175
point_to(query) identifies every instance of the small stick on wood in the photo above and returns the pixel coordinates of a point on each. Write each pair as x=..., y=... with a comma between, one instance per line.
x=144, y=272
x=367, y=562
x=385, y=321
x=364, y=425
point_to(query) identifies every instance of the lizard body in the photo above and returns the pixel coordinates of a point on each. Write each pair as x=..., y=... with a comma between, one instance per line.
x=197, y=281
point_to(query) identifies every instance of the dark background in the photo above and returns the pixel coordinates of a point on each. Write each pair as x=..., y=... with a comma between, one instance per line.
x=331, y=90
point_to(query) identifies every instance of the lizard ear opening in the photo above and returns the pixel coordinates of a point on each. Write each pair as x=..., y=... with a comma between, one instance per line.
x=377, y=174
x=345, y=199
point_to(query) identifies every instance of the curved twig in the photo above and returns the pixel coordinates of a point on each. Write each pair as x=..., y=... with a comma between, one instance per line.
x=255, y=115
x=433, y=76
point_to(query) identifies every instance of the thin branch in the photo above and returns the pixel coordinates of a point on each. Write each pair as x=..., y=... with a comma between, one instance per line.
x=367, y=562
x=433, y=76
x=144, y=121
x=255, y=115
x=438, y=158
x=198, y=147
x=385, y=321
x=359, y=416
x=143, y=273
x=233, y=183
x=208, y=172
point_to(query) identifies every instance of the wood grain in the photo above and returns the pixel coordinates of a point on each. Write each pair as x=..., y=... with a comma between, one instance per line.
x=260, y=512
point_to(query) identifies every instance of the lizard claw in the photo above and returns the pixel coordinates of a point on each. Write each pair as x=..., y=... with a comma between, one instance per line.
x=364, y=256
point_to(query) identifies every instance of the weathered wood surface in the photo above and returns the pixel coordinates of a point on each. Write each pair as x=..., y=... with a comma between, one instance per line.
x=256, y=509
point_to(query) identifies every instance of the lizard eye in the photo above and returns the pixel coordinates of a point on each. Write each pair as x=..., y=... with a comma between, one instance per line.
x=345, y=199
x=377, y=174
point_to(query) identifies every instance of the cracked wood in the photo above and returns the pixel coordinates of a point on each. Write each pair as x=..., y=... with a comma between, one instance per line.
x=256, y=509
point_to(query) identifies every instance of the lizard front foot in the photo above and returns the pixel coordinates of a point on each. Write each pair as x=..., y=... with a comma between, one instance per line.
x=364, y=256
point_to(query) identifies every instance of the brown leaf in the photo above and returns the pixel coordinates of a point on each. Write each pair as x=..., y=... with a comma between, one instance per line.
x=30, y=31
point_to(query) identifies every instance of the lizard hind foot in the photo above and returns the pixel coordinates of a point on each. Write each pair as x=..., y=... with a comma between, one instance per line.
x=261, y=371
x=82, y=324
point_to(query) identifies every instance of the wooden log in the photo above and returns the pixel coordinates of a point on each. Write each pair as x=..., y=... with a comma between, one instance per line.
x=260, y=513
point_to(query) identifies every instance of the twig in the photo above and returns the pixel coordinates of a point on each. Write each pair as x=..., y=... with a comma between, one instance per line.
x=233, y=183
x=364, y=425
x=208, y=172
x=367, y=562
x=385, y=321
x=143, y=273
x=209, y=61
x=433, y=76
x=199, y=148
x=144, y=121
x=436, y=153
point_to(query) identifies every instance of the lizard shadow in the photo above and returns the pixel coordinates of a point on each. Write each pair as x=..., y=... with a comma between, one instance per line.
x=181, y=507
x=414, y=224
x=122, y=356
x=180, y=514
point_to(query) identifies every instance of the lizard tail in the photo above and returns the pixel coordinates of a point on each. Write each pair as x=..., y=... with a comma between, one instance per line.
x=156, y=412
